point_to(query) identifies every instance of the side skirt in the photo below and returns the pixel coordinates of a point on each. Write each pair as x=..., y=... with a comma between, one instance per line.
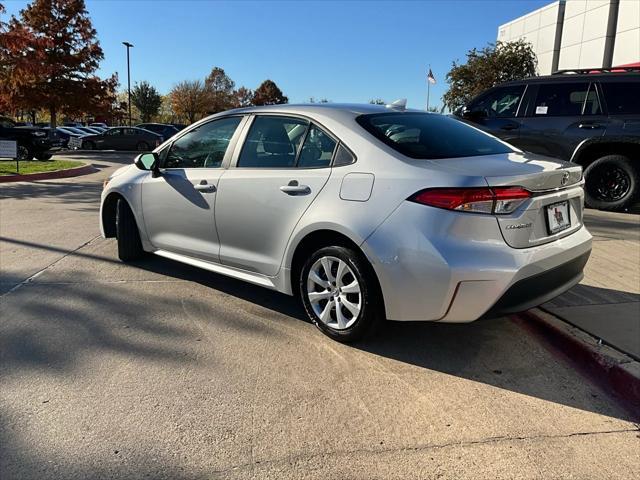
x=251, y=277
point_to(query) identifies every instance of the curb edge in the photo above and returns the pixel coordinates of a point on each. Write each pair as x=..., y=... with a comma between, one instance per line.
x=613, y=369
x=69, y=172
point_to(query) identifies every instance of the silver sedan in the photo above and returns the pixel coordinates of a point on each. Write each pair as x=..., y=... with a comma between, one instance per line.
x=364, y=212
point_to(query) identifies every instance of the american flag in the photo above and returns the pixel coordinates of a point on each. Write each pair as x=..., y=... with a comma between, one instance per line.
x=430, y=78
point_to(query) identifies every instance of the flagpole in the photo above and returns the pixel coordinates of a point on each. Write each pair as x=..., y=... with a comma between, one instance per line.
x=428, y=89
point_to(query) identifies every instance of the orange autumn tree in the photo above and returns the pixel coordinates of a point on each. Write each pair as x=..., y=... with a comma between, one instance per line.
x=49, y=57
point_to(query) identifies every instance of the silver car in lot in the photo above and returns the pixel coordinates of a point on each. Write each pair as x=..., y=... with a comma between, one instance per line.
x=364, y=212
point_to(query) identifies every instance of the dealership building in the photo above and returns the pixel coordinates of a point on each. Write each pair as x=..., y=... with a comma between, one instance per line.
x=577, y=34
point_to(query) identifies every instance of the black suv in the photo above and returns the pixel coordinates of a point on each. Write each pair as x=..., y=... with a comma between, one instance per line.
x=162, y=129
x=32, y=142
x=592, y=119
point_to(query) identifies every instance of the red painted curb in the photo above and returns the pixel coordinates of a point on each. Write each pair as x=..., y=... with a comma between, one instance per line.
x=69, y=172
x=615, y=375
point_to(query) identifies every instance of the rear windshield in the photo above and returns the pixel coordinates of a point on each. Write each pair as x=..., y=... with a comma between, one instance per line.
x=430, y=136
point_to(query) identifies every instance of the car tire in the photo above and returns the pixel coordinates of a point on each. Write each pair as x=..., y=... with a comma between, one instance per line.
x=611, y=183
x=142, y=147
x=43, y=157
x=345, y=316
x=127, y=233
x=24, y=153
x=88, y=145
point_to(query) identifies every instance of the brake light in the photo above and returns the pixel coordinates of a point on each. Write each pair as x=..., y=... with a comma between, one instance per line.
x=496, y=200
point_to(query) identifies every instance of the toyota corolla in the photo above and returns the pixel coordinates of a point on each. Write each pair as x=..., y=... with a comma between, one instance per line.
x=364, y=212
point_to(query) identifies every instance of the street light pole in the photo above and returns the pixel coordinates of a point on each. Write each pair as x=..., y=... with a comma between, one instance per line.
x=128, y=45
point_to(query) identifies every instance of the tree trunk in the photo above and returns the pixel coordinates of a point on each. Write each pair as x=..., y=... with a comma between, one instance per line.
x=52, y=114
x=33, y=117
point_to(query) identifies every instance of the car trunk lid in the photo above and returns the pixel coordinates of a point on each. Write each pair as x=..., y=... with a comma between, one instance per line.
x=555, y=208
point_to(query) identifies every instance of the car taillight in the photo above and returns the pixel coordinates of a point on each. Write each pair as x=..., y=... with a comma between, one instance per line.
x=496, y=200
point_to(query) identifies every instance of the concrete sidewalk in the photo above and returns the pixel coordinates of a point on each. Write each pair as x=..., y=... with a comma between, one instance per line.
x=606, y=304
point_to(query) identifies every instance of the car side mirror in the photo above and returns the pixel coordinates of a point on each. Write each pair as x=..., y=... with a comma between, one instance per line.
x=473, y=115
x=148, y=161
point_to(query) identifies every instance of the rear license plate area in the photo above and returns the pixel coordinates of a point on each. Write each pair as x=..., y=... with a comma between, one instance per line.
x=557, y=215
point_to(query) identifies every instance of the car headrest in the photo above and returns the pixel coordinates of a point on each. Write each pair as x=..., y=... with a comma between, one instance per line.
x=275, y=139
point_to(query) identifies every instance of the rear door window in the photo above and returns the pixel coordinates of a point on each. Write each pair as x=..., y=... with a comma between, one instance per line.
x=622, y=98
x=317, y=150
x=429, y=136
x=560, y=99
x=592, y=103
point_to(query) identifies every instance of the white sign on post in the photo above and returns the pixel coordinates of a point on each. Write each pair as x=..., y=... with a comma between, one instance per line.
x=8, y=149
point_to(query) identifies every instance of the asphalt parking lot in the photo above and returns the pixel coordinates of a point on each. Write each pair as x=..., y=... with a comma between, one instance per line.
x=160, y=370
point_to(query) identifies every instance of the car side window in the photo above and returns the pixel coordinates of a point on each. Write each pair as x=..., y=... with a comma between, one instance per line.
x=202, y=147
x=592, y=103
x=317, y=150
x=113, y=131
x=503, y=103
x=622, y=98
x=272, y=142
x=560, y=99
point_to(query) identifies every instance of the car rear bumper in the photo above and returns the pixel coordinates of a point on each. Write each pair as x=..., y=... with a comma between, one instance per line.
x=438, y=265
x=538, y=289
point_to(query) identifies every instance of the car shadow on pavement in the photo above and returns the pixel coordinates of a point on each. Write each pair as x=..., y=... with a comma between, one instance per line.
x=496, y=352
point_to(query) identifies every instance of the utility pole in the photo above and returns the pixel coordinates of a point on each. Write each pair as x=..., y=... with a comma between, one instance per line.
x=128, y=45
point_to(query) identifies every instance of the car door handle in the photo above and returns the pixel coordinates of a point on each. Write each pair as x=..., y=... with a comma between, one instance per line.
x=589, y=125
x=205, y=187
x=509, y=126
x=295, y=189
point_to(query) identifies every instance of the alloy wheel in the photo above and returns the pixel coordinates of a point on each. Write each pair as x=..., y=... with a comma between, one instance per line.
x=334, y=292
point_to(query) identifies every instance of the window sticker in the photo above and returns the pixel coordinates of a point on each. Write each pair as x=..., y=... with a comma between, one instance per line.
x=541, y=110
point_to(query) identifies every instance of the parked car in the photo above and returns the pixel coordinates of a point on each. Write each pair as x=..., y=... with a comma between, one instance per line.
x=591, y=119
x=72, y=124
x=32, y=142
x=66, y=134
x=164, y=130
x=362, y=211
x=99, y=124
x=121, y=138
x=88, y=130
x=76, y=130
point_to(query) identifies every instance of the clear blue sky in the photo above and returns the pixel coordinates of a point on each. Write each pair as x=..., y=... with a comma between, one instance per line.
x=344, y=51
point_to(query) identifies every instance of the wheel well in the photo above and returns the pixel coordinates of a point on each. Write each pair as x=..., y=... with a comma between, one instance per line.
x=109, y=214
x=595, y=151
x=325, y=238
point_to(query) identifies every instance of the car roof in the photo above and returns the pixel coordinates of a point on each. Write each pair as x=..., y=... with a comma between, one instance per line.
x=576, y=77
x=326, y=109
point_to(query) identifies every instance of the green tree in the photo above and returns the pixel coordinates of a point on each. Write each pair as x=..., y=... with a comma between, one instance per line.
x=268, y=93
x=220, y=90
x=496, y=63
x=377, y=101
x=146, y=99
x=49, y=58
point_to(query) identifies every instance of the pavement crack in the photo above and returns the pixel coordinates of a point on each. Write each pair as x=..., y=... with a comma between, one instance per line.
x=42, y=270
x=419, y=448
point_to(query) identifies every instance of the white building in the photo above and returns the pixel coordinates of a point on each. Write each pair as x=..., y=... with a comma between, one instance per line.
x=570, y=34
